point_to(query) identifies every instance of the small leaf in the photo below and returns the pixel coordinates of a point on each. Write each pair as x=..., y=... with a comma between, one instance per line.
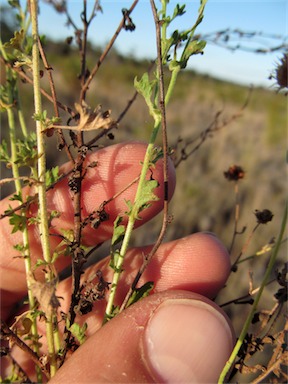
x=146, y=87
x=18, y=222
x=16, y=197
x=78, y=332
x=51, y=176
x=4, y=155
x=40, y=263
x=147, y=195
x=119, y=231
x=179, y=10
x=20, y=248
x=140, y=293
x=16, y=41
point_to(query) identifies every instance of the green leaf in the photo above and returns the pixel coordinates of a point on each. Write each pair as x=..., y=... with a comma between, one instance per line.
x=14, y=3
x=20, y=247
x=27, y=151
x=51, y=176
x=40, y=262
x=118, y=231
x=16, y=41
x=78, y=332
x=147, y=195
x=140, y=293
x=193, y=48
x=144, y=86
x=18, y=222
x=179, y=11
x=4, y=154
x=16, y=197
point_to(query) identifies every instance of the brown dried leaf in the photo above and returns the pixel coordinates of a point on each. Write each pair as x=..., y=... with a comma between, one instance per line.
x=45, y=293
x=91, y=120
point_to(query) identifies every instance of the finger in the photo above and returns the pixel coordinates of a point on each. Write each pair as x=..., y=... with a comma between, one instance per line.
x=172, y=337
x=197, y=263
x=117, y=166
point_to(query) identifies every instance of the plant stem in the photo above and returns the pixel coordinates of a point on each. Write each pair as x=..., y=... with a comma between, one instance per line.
x=131, y=221
x=43, y=213
x=247, y=323
x=12, y=95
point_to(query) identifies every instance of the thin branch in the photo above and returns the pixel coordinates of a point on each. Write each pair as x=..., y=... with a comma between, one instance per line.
x=107, y=49
x=213, y=127
x=28, y=79
x=54, y=97
x=14, y=339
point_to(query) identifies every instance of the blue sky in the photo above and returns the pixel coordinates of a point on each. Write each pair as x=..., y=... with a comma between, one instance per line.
x=267, y=16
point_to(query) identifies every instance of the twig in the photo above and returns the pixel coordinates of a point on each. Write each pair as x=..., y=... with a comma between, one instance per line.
x=28, y=79
x=245, y=246
x=214, y=126
x=13, y=338
x=54, y=97
x=106, y=51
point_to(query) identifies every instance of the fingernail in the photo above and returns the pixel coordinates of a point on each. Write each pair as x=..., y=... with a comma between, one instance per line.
x=187, y=341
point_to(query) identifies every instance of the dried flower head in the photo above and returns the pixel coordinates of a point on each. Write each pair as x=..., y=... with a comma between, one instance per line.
x=280, y=73
x=234, y=173
x=263, y=216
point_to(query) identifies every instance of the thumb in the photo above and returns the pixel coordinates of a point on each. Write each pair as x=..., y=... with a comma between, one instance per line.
x=171, y=337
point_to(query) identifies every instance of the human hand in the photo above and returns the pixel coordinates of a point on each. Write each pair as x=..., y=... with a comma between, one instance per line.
x=175, y=335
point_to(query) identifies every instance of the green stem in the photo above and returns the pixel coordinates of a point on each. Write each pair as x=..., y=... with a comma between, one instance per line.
x=21, y=117
x=131, y=222
x=12, y=90
x=172, y=83
x=44, y=227
x=247, y=323
x=146, y=163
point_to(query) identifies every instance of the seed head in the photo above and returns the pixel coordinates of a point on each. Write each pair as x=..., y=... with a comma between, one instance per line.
x=263, y=216
x=234, y=173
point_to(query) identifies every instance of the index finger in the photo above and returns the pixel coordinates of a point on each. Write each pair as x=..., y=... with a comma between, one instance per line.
x=117, y=166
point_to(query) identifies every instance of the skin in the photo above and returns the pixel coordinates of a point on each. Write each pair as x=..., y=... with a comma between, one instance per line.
x=191, y=269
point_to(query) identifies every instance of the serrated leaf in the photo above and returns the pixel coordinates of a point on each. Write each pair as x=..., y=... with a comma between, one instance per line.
x=27, y=151
x=16, y=41
x=140, y=293
x=78, y=332
x=146, y=87
x=16, y=197
x=118, y=231
x=18, y=222
x=130, y=206
x=147, y=195
x=51, y=176
x=4, y=155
